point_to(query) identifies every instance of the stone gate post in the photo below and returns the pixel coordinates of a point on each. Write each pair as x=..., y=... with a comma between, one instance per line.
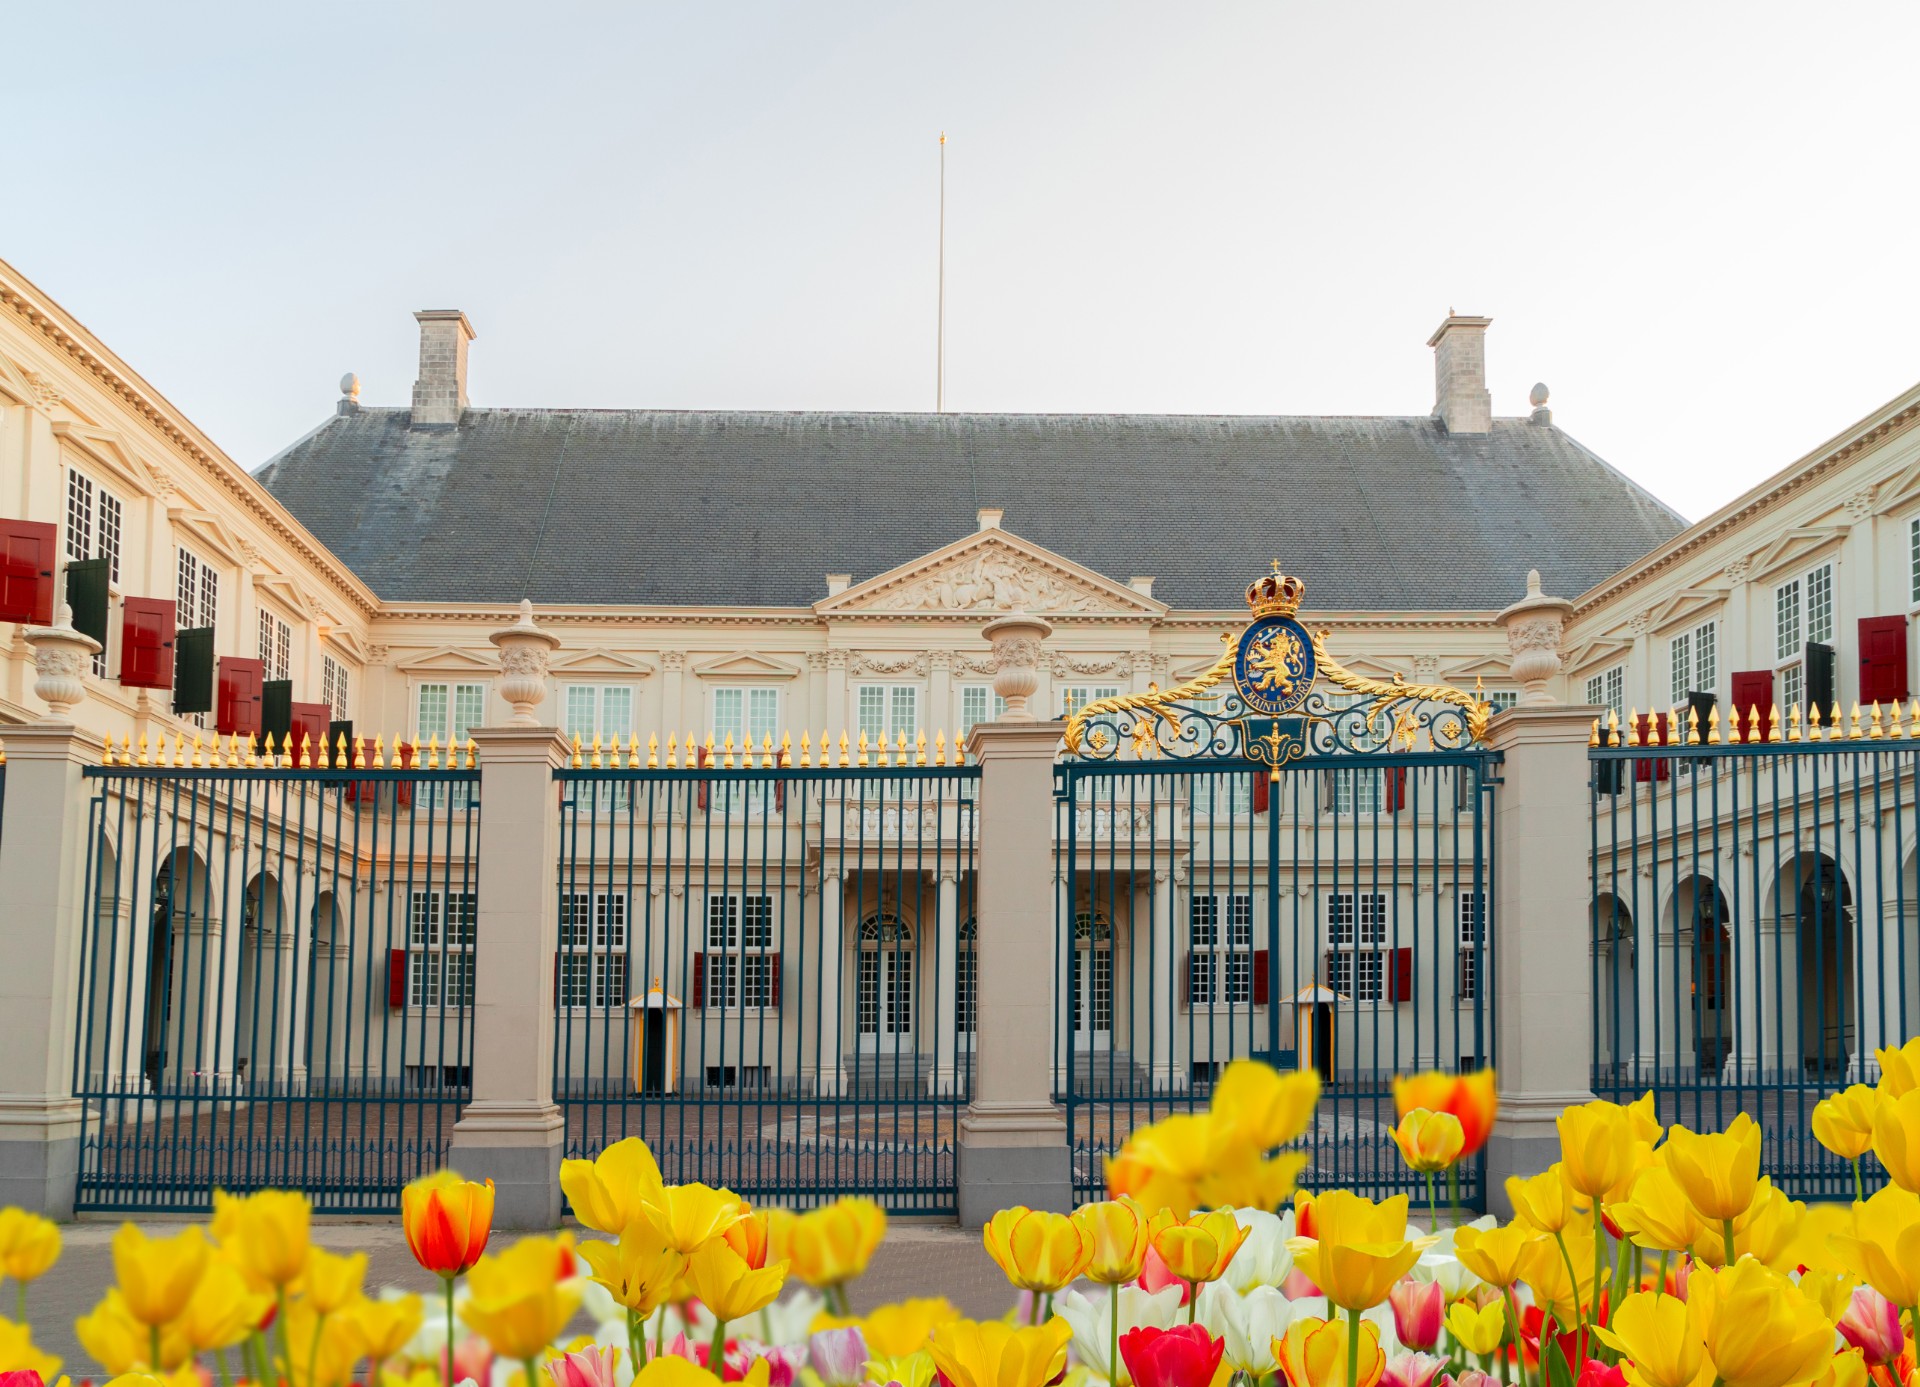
x=1541, y=912
x=1013, y=1138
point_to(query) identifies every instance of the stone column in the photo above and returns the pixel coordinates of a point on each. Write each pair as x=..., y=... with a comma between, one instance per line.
x=1541, y=917
x=946, y=1042
x=830, y=1023
x=1013, y=1139
x=834, y=716
x=941, y=714
x=1164, y=986
x=672, y=713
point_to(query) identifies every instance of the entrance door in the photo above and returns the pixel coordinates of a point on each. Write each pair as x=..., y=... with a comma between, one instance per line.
x=1092, y=981
x=884, y=984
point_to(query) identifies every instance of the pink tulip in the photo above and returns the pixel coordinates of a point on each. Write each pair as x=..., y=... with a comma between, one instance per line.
x=1419, y=1308
x=1473, y=1377
x=783, y=1364
x=1594, y=1373
x=1299, y=1286
x=1412, y=1370
x=1872, y=1325
x=473, y=1359
x=1155, y=1274
x=591, y=1367
x=838, y=1355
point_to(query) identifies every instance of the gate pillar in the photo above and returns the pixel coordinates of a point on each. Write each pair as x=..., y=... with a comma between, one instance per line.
x=1543, y=1023
x=43, y=880
x=511, y=1131
x=1013, y=1137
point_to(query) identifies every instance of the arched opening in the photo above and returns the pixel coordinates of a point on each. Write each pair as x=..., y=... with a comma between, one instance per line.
x=883, y=983
x=966, y=982
x=106, y=990
x=179, y=961
x=1616, y=1002
x=1090, y=980
x=325, y=1024
x=257, y=1019
x=1823, y=931
x=1706, y=922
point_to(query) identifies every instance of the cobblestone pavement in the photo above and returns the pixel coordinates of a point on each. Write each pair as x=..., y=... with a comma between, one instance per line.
x=915, y=1260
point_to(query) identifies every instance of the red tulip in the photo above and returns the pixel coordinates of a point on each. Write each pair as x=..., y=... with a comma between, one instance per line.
x=1594, y=1373
x=1155, y=1273
x=1186, y=1356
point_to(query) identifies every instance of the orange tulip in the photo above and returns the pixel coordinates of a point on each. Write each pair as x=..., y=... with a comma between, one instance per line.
x=1470, y=1097
x=447, y=1221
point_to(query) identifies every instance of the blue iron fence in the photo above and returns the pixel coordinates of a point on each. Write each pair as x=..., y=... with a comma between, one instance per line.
x=1334, y=914
x=767, y=971
x=1753, y=930
x=276, y=980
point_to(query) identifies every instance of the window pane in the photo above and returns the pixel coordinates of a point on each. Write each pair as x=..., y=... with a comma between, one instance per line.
x=729, y=707
x=872, y=710
x=763, y=714
x=616, y=711
x=1204, y=912
x=582, y=701
x=469, y=709
x=906, y=720
x=1820, y=604
x=1786, y=621
x=432, y=706
x=1680, y=653
x=1705, y=665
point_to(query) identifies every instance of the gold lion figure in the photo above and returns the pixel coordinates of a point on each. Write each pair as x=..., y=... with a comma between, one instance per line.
x=1276, y=661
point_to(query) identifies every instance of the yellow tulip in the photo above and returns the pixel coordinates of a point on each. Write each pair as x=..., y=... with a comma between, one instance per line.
x=447, y=1221
x=903, y=1328
x=610, y=1192
x=1843, y=1122
x=1199, y=1250
x=1493, y=1254
x=728, y=1285
x=157, y=1275
x=1769, y=1231
x=832, y=1245
x=120, y=1343
x=1116, y=1231
x=1849, y=1369
x=29, y=1244
x=224, y=1307
x=1360, y=1250
x=1245, y=1181
x=1883, y=1246
x=1813, y=1248
x=1479, y=1330
x=1546, y=1202
x=1896, y=1138
x=1644, y=1118
x=1596, y=1147
x=1473, y=1098
x=909, y=1370
x=1658, y=1216
x=1542, y=1269
x=385, y=1326
x=1164, y=1164
x=516, y=1300
x=322, y=1348
x=17, y=1353
x=993, y=1354
x=1759, y=1330
x=1314, y=1353
x=1654, y=1332
x=266, y=1234
x=1263, y=1107
x=1429, y=1141
x=640, y=1270
x=331, y=1281
x=1899, y=1068
x=1036, y=1250
x=694, y=1214
x=1718, y=1172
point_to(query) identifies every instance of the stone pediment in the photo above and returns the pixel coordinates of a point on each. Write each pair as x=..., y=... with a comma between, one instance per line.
x=746, y=664
x=986, y=574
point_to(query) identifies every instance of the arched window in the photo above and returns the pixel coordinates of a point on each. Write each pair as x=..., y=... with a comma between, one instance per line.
x=1092, y=975
x=966, y=979
x=884, y=977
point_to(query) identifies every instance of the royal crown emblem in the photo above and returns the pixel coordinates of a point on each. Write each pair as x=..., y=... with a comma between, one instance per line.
x=1275, y=594
x=1274, y=664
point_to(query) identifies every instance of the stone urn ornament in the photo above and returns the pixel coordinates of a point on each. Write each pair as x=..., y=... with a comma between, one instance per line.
x=524, y=652
x=61, y=658
x=1534, y=626
x=1016, y=641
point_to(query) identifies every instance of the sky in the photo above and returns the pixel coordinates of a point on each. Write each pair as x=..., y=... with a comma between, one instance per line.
x=1695, y=223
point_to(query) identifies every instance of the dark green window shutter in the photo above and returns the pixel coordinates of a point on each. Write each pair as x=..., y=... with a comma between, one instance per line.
x=276, y=711
x=87, y=595
x=1820, y=688
x=193, y=671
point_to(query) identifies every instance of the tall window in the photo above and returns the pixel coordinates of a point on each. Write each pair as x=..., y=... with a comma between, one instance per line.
x=1693, y=662
x=1793, y=686
x=1913, y=559
x=197, y=595
x=93, y=523
x=440, y=935
x=966, y=979
x=751, y=717
x=1077, y=696
x=1503, y=699
x=883, y=978
x=449, y=712
x=1470, y=917
x=276, y=646
x=740, y=959
x=593, y=950
x=979, y=703
x=887, y=713
x=1802, y=612
x=1361, y=790
x=1356, y=940
x=333, y=686
x=1220, y=968
x=1090, y=982
x=1609, y=689
x=595, y=710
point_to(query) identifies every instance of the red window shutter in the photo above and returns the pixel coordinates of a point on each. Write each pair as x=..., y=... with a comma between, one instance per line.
x=1259, y=977
x=310, y=733
x=774, y=965
x=701, y=788
x=1396, y=789
x=403, y=789
x=146, y=643
x=237, y=705
x=1752, y=689
x=1262, y=790
x=1400, y=986
x=1883, y=659
x=699, y=982
x=27, y=557
x=397, y=979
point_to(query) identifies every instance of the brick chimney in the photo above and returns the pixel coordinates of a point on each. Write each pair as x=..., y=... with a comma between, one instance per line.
x=1460, y=397
x=441, y=392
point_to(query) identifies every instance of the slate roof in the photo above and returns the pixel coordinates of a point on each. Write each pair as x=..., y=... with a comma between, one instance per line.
x=674, y=508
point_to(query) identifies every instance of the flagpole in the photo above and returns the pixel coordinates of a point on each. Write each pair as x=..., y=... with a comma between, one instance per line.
x=940, y=318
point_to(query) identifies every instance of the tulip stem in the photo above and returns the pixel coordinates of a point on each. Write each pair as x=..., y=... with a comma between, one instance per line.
x=1660, y=1285
x=313, y=1350
x=660, y=1332
x=153, y=1348
x=1193, y=1300
x=1591, y=1315
x=1433, y=1204
x=1046, y=1308
x=717, y=1355
x=1519, y=1372
x=20, y=1291
x=1113, y=1339
x=1453, y=1192
x=1859, y=1185
x=449, y=1285
x=1353, y=1348
x=1726, y=1233
x=1572, y=1280
x=286, y=1344
x=528, y=1368
x=220, y=1357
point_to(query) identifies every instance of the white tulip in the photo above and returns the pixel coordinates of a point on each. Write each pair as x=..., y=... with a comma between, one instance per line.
x=1263, y=1259
x=1091, y=1318
x=1438, y=1263
x=1247, y=1323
